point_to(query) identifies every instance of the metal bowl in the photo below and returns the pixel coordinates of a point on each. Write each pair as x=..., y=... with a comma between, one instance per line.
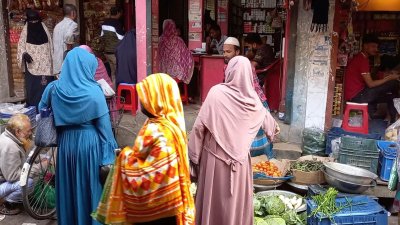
x=287, y=194
x=346, y=186
x=259, y=188
x=298, y=188
x=349, y=173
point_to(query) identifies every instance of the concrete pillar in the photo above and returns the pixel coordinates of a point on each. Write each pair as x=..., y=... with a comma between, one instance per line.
x=143, y=38
x=311, y=77
x=5, y=77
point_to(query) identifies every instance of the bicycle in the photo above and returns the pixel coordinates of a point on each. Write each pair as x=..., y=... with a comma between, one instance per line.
x=38, y=183
x=38, y=173
x=116, y=114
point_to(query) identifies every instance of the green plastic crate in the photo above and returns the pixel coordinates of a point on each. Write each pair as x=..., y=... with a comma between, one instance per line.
x=360, y=159
x=358, y=144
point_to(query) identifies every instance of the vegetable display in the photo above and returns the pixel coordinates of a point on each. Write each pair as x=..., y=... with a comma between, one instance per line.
x=326, y=204
x=292, y=203
x=268, y=168
x=275, y=209
x=307, y=165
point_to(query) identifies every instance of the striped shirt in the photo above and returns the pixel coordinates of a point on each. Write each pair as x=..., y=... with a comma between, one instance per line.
x=65, y=32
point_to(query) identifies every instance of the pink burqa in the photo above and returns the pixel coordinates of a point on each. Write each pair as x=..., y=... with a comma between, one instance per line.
x=174, y=57
x=101, y=71
x=219, y=147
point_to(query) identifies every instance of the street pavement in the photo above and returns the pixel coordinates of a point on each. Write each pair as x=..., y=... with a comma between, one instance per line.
x=134, y=123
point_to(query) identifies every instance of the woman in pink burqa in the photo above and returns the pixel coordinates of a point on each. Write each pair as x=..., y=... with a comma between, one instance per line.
x=219, y=147
x=174, y=57
x=101, y=71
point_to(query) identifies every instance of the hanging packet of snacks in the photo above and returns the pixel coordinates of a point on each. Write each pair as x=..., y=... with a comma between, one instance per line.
x=392, y=132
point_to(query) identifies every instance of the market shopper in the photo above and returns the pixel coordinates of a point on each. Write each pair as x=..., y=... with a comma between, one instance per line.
x=65, y=36
x=15, y=142
x=85, y=138
x=219, y=145
x=150, y=183
x=101, y=71
x=175, y=58
x=34, y=56
x=126, y=55
x=359, y=86
x=261, y=144
x=261, y=55
x=112, y=33
x=215, y=42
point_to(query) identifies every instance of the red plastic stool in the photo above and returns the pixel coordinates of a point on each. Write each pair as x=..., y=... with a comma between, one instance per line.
x=131, y=102
x=363, y=107
x=185, y=95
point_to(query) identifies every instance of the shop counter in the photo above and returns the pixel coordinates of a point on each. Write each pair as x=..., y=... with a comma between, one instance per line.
x=211, y=73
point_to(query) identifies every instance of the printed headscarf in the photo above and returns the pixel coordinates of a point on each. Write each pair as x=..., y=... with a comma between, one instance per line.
x=152, y=180
x=174, y=57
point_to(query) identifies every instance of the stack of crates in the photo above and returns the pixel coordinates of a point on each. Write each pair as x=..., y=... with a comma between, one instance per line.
x=359, y=152
x=336, y=132
x=387, y=155
x=363, y=210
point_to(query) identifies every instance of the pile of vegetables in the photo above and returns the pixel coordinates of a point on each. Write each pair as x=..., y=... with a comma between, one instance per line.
x=268, y=168
x=307, y=166
x=292, y=203
x=272, y=210
x=326, y=204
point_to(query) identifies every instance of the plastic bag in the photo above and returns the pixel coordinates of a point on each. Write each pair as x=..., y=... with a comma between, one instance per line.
x=314, y=141
x=107, y=90
x=335, y=143
x=394, y=176
x=392, y=131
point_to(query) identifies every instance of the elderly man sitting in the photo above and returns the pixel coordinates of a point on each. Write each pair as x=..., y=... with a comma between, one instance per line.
x=15, y=142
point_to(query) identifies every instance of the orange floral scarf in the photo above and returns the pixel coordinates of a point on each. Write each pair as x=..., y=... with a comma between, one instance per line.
x=151, y=180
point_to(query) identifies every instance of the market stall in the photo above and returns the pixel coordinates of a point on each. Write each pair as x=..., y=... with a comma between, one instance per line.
x=51, y=13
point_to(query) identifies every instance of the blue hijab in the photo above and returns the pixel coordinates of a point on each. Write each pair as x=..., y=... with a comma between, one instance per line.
x=77, y=98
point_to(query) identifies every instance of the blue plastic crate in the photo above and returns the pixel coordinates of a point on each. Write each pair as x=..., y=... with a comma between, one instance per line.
x=336, y=132
x=368, y=213
x=388, y=153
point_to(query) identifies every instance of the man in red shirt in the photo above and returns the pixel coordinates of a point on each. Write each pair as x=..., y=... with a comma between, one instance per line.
x=361, y=88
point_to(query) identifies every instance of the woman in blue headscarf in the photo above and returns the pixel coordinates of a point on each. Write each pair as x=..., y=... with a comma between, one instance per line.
x=85, y=139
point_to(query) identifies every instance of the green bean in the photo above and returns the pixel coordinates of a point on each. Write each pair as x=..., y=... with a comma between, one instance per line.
x=326, y=204
x=308, y=165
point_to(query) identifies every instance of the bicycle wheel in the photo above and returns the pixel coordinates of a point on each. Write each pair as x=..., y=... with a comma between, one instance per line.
x=124, y=136
x=38, y=183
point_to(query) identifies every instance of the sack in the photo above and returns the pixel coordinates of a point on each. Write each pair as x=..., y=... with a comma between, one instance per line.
x=314, y=142
x=102, y=212
x=394, y=177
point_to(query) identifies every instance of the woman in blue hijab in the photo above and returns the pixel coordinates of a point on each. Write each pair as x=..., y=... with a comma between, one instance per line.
x=85, y=139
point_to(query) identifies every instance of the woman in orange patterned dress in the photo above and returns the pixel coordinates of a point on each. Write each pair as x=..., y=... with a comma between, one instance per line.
x=150, y=182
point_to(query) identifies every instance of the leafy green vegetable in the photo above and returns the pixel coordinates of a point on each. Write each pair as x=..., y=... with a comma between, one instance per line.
x=303, y=218
x=290, y=217
x=274, y=205
x=256, y=204
x=274, y=220
x=259, y=221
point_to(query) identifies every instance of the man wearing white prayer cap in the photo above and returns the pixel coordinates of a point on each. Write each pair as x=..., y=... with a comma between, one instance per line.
x=231, y=49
